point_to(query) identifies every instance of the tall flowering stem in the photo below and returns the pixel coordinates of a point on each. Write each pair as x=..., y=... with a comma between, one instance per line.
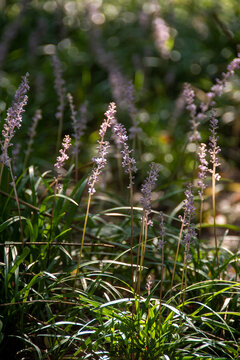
x=129, y=164
x=61, y=92
x=134, y=130
x=118, y=154
x=202, y=174
x=188, y=239
x=100, y=162
x=13, y=121
x=195, y=119
x=117, y=80
x=79, y=125
x=189, y=210
x=61, y=159
x=214, y=150
x=32, y=134
x=161, y=244
x=189, y=213
x=189, y=96
x=146, y=190
x=218, y=87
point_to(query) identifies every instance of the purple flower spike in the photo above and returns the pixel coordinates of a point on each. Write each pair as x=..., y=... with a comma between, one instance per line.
x=147, y=188
x=188, y=206
x=233, y=66
x=14, y=118
x=214, y=148
x=103, y=146
x=59, y=85
x=110, y=119
x=128, y=162
x=161, y=241
x=79, y=122
x=189, y=212
x=188, y=240
x=100, y=162
x=217, y=89
x=189, y=95
x=32, y=131
x=63, y=157
x=203, y=169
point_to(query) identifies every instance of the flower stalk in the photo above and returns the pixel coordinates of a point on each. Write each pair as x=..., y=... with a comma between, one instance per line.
x=100, y=162
x=214, y=149
x=13, y=121
x=146, y=190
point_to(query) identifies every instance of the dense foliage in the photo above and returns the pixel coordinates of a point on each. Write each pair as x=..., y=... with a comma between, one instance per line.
x=119, y=179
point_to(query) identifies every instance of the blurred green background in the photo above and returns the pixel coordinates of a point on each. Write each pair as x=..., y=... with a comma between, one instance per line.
x=104, y=44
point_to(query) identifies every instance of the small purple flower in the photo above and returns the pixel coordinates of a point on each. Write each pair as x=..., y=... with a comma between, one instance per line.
x=188, y=240
x=130, y=97
x=188, y=206
x=79, y=122
x=189, y=213
x=217, y=89
x=233, y=66
x=191, y=107
x=32, y=131
x=14, y=118
x=103, y=146
x=161, y=241
x=128, y=162
x=59, y=85
x=147, y=188
x=63, y=157
x=149, y=283
x=203, y=169
x=100, y=162
x=119, y=84
x=15, y=157
x=110, y=119
x=214, y=148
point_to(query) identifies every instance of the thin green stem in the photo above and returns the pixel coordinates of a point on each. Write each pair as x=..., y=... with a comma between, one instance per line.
x=214, y=214
x=143, y=248
x=161, y=291
x=1, y=172
x=17, y=202
x=83, y=236
x=119, y=165
x=139, y=246
x=131, y=241
x=131, y=245
x=51, y=222
x=76, y=166
x=183, y=271
x=59, y=135
x=185, y=286
x=200, y=229
x=175, y=261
